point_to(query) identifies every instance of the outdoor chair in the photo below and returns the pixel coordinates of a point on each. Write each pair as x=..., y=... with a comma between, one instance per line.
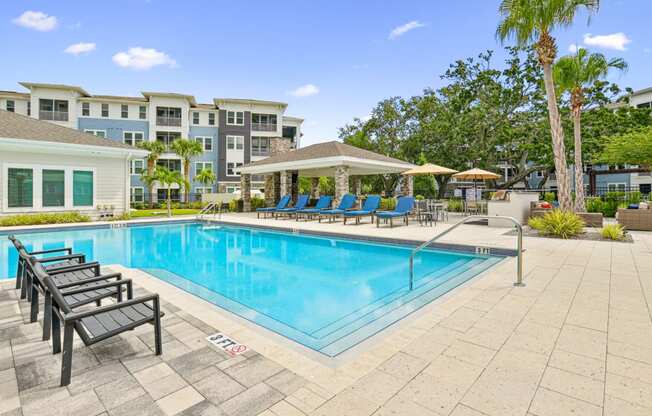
x=96, y=324
x=81, y=284
x=283, y=203
x=426, y=212
x=57, y=262
x=347, y=202
x=403, y=208
x=302, y=201
x=323, y=203
x=369, y=207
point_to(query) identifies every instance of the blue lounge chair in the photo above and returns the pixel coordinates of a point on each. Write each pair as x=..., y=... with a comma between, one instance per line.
x=302, y=201
x=323, y=203
x=403, y=208
x=283, y=203
x=370, y=206
x=346, y=203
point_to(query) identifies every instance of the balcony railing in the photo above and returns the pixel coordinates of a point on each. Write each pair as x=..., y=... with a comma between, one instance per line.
x=168, y=121
x=53, y=115
x=263, y=127
x=263, y=152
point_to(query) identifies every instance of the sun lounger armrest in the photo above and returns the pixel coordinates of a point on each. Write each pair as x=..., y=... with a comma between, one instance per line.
x=75, y=316
x=54, y=250
x=61, y=258
x=77, y=267
x=116, y=283
x=117, y=276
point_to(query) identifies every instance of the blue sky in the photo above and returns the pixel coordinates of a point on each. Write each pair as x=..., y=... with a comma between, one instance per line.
x=330, y=60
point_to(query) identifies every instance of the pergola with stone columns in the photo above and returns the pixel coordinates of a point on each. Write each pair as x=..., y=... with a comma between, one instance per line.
x=346, y=163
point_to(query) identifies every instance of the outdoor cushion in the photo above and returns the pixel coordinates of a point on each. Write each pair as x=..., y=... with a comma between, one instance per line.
x=370, y=205
x=281, y=204
x=302, y=201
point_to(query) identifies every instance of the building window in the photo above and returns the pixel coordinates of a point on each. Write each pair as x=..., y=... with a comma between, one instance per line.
x=232, y=189
x=290, y=132
x=199, y=166
x=137, y=194
x=105, y=110
x=195, y=117
x=133, y=138
x=167, y=137
x=170, y=164
x=136, y=167
x=203, y=190
x=53, y=188
x=235, y=118
x=260, y=146
x=644, y=105
x=54, y=110
x=124, y=111
x=29, y=108
x=82, y=188
x=206, y=142
x=616, y=187
x=235, y=142
x=211, y=119
x=98, y=133
x=230, y=168
x=11, y=106
x=142, y=112
x=263, y=122
x=168, y=116
x=86, y=109
x=20, y=187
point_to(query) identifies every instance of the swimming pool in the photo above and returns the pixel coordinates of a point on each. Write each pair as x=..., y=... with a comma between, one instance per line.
x=326, y=293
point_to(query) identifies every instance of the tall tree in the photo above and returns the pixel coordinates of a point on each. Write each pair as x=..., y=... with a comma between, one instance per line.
x=206, y=177
x=530, y=21
x=155, y=150
x=167, y=178
x=632, y=147
x=186, y=150
x=573, y=74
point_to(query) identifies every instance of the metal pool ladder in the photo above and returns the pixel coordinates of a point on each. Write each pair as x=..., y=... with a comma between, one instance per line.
x=519, y=243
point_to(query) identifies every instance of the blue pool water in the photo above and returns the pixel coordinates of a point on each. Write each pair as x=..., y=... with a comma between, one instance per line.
x=326, y=293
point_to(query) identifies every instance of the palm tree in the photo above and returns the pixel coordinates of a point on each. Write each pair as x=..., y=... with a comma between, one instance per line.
x=186, y=150
x=532, y=21
x=206, y=177
x=155, y=150
x=167, y=178
x=572, y=73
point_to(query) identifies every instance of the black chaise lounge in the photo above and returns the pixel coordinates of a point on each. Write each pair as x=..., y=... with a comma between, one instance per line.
x=51, y=263
x=80, y=285
x=96, y=324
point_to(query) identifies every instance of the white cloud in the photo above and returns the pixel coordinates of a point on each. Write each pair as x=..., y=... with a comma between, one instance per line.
x=572, y=48
x=143, y=58
x=616, y=41
x=80, y=48
x=36, y=20
x=305, y=91
x=403, y=29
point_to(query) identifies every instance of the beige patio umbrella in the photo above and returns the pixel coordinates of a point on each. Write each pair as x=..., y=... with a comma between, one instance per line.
x=475, y=174
x=429, y=169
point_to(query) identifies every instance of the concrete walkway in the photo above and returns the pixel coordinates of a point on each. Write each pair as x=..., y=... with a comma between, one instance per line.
x=576, y=340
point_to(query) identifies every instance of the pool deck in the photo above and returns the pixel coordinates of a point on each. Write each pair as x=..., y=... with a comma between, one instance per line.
x=577, y=339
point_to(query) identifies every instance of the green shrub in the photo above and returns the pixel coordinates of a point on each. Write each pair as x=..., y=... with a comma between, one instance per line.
x=420, y=197
x=235, y=205
x=387, y=204
x=455, y=205
x=594, y=204
x=558, y=223
x=613, y=232
x=125, y=216
x=549, y=197
x=39, y=219
x=257, y=202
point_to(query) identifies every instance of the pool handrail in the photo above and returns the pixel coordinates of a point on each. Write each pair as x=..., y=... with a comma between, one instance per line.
x=519, y=243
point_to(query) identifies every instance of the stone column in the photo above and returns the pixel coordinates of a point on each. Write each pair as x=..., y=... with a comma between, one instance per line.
x=245, y=191
x=286, y=182
x=407, y=185
x=269, y=190
x=314, y=188
x=357, y=185
x=341, y=183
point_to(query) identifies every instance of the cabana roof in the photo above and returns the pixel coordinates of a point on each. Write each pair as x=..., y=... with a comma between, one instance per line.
x=322, y=159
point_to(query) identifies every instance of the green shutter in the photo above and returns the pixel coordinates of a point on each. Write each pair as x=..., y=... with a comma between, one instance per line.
x=54, y=184
x=82, y=188
x=20, y=186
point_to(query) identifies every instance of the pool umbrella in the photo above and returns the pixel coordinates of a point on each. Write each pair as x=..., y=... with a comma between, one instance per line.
x=475, y=174
x=429, y=169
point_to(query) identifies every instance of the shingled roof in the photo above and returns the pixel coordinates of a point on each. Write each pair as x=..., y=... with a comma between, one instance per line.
x=324, y=150
x=17, y=126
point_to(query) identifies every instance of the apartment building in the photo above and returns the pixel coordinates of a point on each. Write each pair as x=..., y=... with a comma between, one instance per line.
x=232, y=131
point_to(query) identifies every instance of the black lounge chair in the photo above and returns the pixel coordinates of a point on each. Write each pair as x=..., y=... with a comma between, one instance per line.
x=57, y=262
x=81, y=284
x=97, y=324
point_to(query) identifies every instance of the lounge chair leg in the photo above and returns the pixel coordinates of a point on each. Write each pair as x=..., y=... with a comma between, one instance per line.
x=66, y=360
x=158, y=343
x=377, y=222
x=47, y=316
x=56, y=334
x=391, y=223
x=33, y=316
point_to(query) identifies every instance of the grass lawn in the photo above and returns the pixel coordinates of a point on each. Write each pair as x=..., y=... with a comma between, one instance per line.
x=162, y=212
